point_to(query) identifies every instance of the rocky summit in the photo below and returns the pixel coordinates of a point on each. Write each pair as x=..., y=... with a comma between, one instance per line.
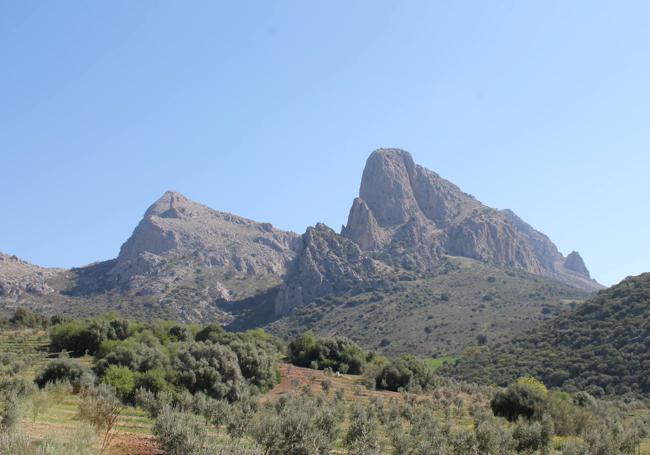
x=188, y=261
x=180, y=242
x=408, y=216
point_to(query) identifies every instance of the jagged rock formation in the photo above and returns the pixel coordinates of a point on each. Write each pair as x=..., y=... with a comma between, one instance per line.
x=575, y=263
x=185, y=259
x=408, y=216
x=327, y=263
x=18, y=277
x=178, y=236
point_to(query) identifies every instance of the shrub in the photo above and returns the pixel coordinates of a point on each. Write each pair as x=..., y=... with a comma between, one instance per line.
x=122, y=380
x=152, y=403
x=210, y=368
x=153, y=380
x=82, y=337
x=39, y=401
x=338, y=354
x=15, y=443
x=405, y=372
x=533, y=436
x=180, y=433
x=65, y=370
x=362, y=436
x=492, y=437
x=257, y=365
x=131, y=353
x=296, y=425
x=240, y=415
x=525, y=398
x=100, y=407
x=11, y=412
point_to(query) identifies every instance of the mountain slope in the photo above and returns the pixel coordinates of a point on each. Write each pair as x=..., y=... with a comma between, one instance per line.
x=602, y=347
x=18, y=277
x=441, y=312
x=411, y=236
x=410, y=217
x=178, y=241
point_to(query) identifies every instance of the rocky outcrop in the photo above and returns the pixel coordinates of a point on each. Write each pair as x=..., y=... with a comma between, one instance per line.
x=575, y=263
x=408, y=215
x=178, y=238
x=327, y=263
x=18, y=277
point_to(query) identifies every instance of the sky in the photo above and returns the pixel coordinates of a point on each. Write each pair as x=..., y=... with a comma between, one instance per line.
x=270, y=109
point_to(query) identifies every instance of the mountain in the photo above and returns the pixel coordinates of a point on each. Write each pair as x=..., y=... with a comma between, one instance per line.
x=179, y=240
x=410, y=235
x=18, y=277
x=602, y=347
x=410, y=217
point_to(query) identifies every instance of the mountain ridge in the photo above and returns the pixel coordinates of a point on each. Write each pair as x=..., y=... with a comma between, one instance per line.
x=188, y=261
x=410, y=215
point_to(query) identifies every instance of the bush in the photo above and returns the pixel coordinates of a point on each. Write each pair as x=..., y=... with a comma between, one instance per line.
x=531, y=437
x=65, y=370
x=296, y=425
x=152, y=403
x=153, y=380
x=240, y=416
x=133, y=354
x=100, y=407
x=526, y=398
x=11, y=412
x=122, y=380
x=257, y=365
x=209, y=368
x=405, y=372
x=362, y=436
x=338, y=354
x=81, y=337
x=180, y=433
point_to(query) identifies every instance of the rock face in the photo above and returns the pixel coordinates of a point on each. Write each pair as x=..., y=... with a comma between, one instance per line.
x=18, y=277
x=409, y=216
x=575, y=263
x=326, y=263
x=178, y=236
x=185, y=259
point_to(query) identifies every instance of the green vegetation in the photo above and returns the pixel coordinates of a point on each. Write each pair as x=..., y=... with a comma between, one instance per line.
x=198, y=390
x=603, y=347
x=338, y=354
x=437, y=314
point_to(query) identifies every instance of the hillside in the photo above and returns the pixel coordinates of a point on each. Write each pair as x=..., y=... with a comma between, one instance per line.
x=18, y=277
x=442, y=312
x=189, y=262
x=602, y=347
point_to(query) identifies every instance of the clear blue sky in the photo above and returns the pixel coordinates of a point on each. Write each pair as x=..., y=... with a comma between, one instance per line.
x=269, y=110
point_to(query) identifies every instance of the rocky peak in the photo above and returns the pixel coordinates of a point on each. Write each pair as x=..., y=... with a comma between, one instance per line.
x=178, y=235
x=410, y=216
x=326, y=263
x=171, y=205
x=575, y=263
x=386, y=186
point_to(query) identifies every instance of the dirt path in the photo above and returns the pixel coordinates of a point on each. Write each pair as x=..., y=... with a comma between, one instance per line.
x=123, y=444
